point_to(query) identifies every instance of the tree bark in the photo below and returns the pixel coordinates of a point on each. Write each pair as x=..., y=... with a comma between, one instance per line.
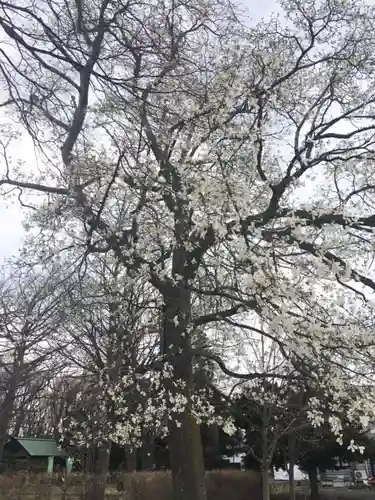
x=314, y=484
x=89, y=463
x=184, y=442
x=3, y=440
x=265, y=482
x=19, y=421
x=265, y=461
x=185, y=449
x=292, y=486
x=7, y=406
x=131, y=459
x=353, y=469
x=213, y=449
x=292, y=442
x=97, y=484
x=148, y=452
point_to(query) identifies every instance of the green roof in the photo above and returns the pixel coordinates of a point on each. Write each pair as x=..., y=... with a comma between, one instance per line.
x=40, y=447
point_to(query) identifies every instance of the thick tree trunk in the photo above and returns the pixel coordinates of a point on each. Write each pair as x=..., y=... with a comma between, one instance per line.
x=292, y=486
x=265, y=461
x=292, y=444
x=213, y=448
x=314, y=484
x=184, y=442
x=6, y=411
x=265, y=482
x=353, y=469
x=148, y=452
x=3, y=440
x=89, y=464
x=97, y=484
x=131, y=459
x=19, y=422
x=185, y=448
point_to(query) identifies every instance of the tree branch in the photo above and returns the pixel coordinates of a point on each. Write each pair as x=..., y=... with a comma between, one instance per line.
x=244, y=376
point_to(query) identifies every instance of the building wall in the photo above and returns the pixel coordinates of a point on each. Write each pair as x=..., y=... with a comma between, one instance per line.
x=345, y=472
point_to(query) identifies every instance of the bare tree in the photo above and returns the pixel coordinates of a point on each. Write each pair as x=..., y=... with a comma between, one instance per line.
x=31, y=412
x=111, y=331
x=30, y=316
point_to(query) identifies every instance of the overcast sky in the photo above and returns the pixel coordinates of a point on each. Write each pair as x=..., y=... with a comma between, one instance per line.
x=11, y=230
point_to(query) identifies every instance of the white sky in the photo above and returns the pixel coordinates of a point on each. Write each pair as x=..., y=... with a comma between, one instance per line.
x=10, y=230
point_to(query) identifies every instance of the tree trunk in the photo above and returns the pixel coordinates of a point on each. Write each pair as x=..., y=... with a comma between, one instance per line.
x=89, y=462
x=292, y=486
x=131, y=459
x=19, y=422
x=185, y=449
x=213, y=452
x=184, y=441
x=353, y=467
x=3, y=440
x=292, y=443
x=148, y=452
x=265, y=482
x=314, y=484
x=6, y=410
x=97, y=484
x=265, y=461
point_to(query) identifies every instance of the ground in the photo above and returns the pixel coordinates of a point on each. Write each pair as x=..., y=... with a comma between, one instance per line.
x=338, y=493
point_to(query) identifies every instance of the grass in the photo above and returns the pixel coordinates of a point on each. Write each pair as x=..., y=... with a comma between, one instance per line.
x=221, y=485
x=234, y=485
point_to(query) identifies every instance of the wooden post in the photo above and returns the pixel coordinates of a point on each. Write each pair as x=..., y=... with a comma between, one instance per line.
x=50, y=465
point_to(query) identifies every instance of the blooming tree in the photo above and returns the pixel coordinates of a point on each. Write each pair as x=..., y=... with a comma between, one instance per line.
x=228, y=166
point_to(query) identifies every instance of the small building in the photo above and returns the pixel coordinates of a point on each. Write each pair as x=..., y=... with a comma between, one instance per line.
x=35, y=454
x=344, y=471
